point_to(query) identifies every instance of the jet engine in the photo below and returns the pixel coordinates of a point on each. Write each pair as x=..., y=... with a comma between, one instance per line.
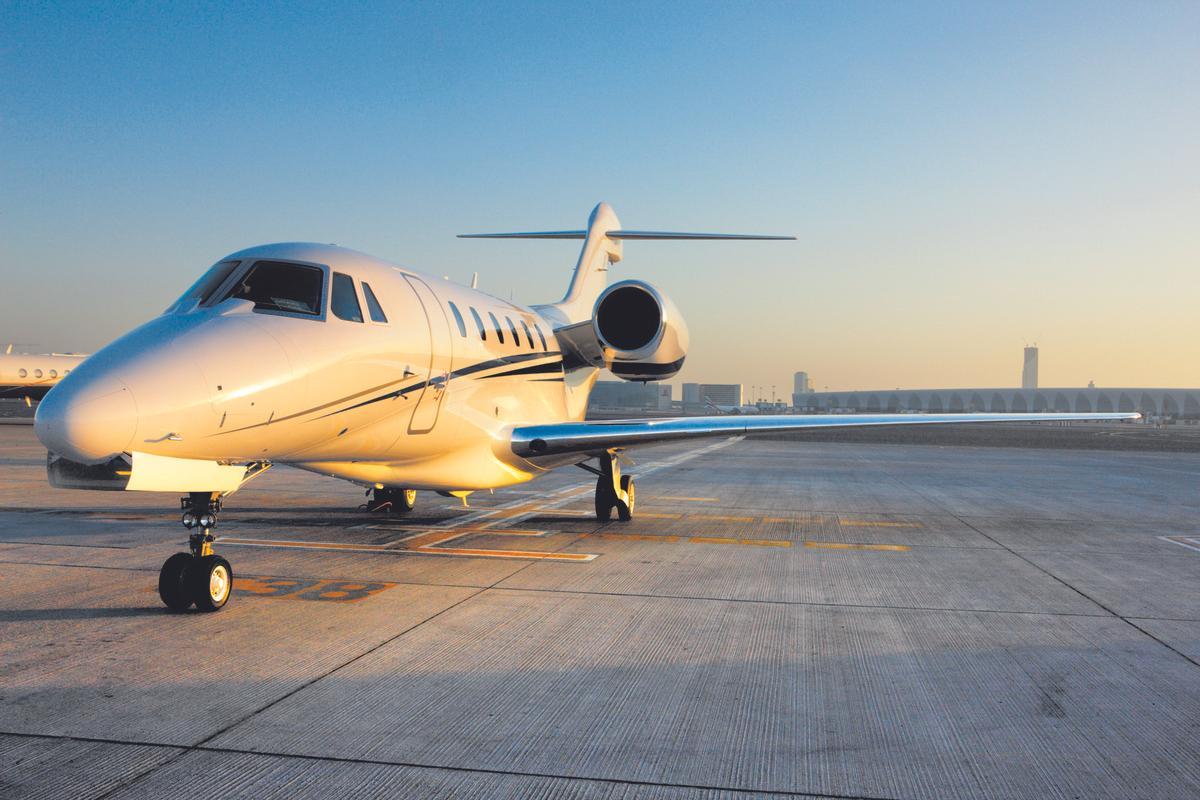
x=640, y=333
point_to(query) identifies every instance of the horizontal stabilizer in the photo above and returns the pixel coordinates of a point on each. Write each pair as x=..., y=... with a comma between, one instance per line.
x=641, y=235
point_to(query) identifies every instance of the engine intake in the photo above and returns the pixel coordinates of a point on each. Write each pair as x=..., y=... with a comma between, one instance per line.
x=641, y=334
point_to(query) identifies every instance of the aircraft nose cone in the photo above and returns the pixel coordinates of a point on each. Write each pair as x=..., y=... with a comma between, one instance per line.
x=88, y=422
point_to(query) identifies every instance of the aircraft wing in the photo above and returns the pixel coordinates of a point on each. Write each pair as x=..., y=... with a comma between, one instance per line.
x=566, y=438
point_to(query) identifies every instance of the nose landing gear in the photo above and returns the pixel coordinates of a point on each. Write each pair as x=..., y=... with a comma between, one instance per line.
x=200, y=577
x=613, y=490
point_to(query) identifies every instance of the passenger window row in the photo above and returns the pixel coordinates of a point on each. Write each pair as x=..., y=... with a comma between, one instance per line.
x=496, y=329
x=37, y=373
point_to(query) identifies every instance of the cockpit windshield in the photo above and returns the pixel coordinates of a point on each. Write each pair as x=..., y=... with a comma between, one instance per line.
x=209, y=282
x=281, y=286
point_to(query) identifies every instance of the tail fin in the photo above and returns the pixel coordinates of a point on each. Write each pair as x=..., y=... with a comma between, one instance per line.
x=591, y=271
x=601, y=248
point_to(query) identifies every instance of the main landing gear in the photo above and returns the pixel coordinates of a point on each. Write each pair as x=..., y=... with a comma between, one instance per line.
x=395, y=501
x=200, y=577
x=613, y=490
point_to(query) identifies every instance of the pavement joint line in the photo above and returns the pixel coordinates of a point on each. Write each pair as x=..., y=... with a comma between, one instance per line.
x=184, y=750
x=1128, y=621
x=305, y=684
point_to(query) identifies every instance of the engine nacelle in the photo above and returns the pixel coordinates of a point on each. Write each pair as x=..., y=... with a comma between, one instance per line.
x=641, y=335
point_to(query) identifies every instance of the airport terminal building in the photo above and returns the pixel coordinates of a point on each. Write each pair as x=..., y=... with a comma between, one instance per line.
x=1178, y=403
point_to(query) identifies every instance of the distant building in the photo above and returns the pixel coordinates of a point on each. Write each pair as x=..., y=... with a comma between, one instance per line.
x=1029, y=373
x=721, y=394
x=630, y=395
x=801, y=389
x=691, y=396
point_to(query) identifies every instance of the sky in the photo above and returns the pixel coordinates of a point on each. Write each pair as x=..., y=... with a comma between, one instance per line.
x=963, y=178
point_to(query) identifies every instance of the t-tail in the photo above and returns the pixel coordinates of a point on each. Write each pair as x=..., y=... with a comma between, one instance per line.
x=602, y=241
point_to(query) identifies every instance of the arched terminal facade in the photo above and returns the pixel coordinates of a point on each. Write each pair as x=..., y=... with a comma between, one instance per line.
x=1177, y=403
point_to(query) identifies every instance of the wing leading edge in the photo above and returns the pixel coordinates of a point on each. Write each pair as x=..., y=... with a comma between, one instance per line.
x=566, y=438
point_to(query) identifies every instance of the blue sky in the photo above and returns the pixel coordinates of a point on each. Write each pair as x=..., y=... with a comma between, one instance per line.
x=963, y=178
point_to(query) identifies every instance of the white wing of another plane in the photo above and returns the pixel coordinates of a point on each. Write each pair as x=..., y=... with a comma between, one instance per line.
x=596, y=438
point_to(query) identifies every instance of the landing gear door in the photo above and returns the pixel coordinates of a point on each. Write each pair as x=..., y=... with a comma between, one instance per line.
x=430, y=402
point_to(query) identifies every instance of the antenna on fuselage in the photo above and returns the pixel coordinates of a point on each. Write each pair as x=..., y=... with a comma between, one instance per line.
x=474, y=280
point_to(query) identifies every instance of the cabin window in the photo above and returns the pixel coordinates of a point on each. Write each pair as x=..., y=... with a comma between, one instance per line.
x=478, y=323
x=344, y=303
x=37, y=373
x=373, y=306
x=541, y=336
x=513, y=328
x=280, y=286
x=53, y=373
x=496, y=325
x=203, y=289
x=528, y=335
x=458, y=319
x=24, y=373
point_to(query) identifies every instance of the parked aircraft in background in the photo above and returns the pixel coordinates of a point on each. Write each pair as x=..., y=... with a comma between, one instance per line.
x=29, y=377
x=332, y=361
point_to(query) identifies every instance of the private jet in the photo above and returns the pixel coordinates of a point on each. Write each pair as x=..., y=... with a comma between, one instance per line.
x=329, y=360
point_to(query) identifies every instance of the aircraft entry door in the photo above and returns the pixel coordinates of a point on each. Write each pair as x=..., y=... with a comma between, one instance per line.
x=430, y=402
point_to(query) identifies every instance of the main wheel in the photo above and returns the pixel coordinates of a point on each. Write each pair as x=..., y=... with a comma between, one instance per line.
x=172, y=582
x=625, y=507
x=605, y=499
x=405, y=500
x=210, y=582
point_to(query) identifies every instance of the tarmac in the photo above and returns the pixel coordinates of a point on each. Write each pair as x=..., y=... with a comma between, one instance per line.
x=780, y=619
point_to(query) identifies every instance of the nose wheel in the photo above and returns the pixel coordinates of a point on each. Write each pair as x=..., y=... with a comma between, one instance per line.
x=613, y=490
x=200, y=577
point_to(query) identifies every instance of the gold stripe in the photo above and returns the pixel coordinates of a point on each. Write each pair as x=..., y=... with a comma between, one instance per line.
x=893, y=548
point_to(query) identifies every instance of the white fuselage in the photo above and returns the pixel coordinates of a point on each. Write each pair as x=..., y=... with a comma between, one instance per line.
x=416, y=401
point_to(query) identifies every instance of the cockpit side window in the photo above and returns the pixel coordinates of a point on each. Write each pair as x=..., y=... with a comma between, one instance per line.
x=373, y=306
x=458, y=319
x=281, y=286
x=203, y=289
x=541, y=335
x=496, y=325
x=513, y=328
x=344, y=303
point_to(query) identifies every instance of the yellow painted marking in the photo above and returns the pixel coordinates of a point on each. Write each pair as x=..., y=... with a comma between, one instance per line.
x=636, y=537
x=649, y=515
x=766, y=542
x=426, y=544
x=776, y=519
x=723, y=519
x=688, y=499
x=863, y=523
x=302, y=545
x=896, y=548
x=712, y=540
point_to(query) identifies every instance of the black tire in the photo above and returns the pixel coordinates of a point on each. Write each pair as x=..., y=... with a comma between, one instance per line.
x=625, y=508
x=173, y=582
x=210, y=583
x=604, y=499
x=405, y=500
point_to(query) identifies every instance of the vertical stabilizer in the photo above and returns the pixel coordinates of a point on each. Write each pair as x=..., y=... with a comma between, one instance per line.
x=591, y=271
